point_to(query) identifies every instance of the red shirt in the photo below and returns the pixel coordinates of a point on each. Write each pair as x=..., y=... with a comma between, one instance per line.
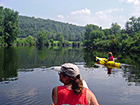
x=68, y=97
x=110, y=58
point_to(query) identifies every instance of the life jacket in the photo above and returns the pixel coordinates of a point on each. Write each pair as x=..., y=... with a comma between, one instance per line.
x=110, y=58
x=68, y=97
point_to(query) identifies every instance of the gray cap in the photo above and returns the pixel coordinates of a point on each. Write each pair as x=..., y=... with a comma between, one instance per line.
x=70, y=69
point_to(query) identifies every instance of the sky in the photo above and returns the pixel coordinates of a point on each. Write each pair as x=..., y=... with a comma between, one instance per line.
x=78, y=12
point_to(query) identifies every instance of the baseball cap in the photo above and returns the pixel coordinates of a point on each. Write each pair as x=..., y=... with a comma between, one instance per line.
x=70, y=69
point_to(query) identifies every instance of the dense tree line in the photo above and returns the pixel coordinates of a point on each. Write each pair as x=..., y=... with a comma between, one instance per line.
x=114, y=38
x=32, y=31
x=15, y=29
x=53, y=29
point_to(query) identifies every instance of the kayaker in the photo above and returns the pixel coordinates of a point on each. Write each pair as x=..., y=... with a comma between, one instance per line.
x=110, y=58
x=73, y=92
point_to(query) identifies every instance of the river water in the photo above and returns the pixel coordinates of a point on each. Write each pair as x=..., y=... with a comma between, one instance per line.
x=27, y=76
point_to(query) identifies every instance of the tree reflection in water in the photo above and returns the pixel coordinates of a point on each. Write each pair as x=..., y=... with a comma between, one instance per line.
x=130, y=63
x=19, y=59
x=9, y=64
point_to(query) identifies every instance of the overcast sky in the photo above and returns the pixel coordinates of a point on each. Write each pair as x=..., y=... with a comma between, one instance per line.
x=80, y=12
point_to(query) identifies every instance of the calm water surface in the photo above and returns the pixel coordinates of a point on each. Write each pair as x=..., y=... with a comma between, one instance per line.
x=27, y=77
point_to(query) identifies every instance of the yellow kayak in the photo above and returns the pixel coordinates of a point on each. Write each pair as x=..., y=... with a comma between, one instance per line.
x=109, y=64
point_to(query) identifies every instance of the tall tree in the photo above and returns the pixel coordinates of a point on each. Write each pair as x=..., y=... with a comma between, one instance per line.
x=1, y=20
x=61, y=39
x=11, y=26
x=107, y=32
x=30, y=40
x=42, y=38
x=133, y=25
x=115, y=28
x=89, y=28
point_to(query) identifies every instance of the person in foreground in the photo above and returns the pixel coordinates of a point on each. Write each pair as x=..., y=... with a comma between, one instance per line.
x=73, y=92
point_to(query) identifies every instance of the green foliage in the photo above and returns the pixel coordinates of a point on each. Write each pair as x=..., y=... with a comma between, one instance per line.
x=20, y=41
x=32, y=26
x=26, y=41
x=61, y=39
x=94, y=37
x=115, y=28
x=2, y=40
x=114, y=38
x=107, y=32
x=9, y=61
x=1, y=21
x=29, y=40
x=42, y=38
x=51, y=41
x=9, y=25
x=133, y=25
x=48, y=31
x=89, y=28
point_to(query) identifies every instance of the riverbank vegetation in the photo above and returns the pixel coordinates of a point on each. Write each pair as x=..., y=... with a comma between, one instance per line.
x=9, y=26
x=23, y=30
x=114, y=38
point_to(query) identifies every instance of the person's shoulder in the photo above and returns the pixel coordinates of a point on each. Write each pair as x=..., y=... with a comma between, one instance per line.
x=89, y=91
x=54, y=89
x=58, y=88
x=91, y=97
x=54, y=96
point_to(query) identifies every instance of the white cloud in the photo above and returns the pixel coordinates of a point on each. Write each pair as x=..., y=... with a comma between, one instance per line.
x=107, y=17
x=109, y=11
x=83, y=11
x=136, y=2
x=60, y=16
x=114, y=10
x=100, y=18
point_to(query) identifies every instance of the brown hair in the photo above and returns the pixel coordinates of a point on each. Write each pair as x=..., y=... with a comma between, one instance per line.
x=110, y=53
x=77, y=84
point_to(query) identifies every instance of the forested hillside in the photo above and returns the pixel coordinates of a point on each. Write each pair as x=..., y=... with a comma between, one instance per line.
x=32, y=26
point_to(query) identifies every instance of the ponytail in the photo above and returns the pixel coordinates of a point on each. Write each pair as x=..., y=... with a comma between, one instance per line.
x=77, y=85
